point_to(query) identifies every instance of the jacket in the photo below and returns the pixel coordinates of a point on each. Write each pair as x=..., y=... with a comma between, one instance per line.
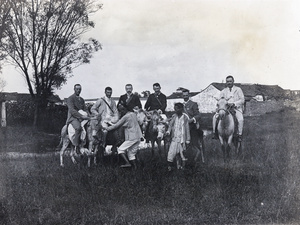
x=159, y=102
x=235, y=96
x=192, y=110
x=100, y=107
x=132, y=129
x=186, y=134
x=134, y=101
x=75, y=104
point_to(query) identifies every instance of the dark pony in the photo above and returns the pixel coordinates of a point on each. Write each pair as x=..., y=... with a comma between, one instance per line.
x=155, y=132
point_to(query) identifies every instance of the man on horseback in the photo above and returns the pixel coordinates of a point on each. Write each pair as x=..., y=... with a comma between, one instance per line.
x=236, y=99
x=76, y=103
x=105, y=110
x=130, y=100
x=155, y=101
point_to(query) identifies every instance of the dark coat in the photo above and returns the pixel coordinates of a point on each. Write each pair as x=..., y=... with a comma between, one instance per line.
x=129, y=105
x=75, y=104
x=159, y=102
x=192, y=110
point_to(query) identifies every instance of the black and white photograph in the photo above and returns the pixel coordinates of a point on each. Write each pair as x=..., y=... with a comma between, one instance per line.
x=149, y=112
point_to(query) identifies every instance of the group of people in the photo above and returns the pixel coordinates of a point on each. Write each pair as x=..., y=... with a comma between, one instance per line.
x=184, y=126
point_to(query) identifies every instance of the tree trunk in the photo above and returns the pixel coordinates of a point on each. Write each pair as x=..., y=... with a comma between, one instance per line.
x=36, y=115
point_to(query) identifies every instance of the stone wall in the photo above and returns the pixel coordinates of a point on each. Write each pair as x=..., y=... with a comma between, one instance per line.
x=255, y=108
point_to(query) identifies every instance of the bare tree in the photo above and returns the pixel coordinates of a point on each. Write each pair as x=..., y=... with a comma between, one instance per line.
x=4, y=16
x=42, y=39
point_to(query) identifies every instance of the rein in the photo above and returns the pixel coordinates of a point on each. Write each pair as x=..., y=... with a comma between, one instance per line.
x=226, y=111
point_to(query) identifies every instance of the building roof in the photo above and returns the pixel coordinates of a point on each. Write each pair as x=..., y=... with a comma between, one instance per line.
x=178, y=94
x=252, y=90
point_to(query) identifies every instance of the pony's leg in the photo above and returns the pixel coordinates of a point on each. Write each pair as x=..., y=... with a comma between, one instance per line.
x=202, y=148
x=178, y=162
x=89, y=161
x=199, y=150
x=65, y=143
x=72, y=154
x=166, y=145
x=238, y=148
x=159, y=149
x=90, y=153
x=152, y=148
x=231, y=145
x=224, y=148
x=95, y=154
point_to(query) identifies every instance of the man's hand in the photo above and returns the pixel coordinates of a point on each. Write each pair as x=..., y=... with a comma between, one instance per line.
x=187, y=142
x=168, y=133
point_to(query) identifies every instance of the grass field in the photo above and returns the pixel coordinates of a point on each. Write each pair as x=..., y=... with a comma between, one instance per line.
x=261, y=187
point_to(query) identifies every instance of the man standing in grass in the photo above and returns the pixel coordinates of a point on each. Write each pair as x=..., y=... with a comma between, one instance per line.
x=180, y=135
x=133, y=135
x=76, y=103
x=191, y=109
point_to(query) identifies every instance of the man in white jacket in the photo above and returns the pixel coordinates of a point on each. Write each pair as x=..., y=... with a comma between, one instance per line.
x=105, y=109
x=236, y=99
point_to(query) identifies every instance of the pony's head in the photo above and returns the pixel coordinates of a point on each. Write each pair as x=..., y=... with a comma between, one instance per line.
x=222, y=108
x=161, y=130
x=142, y=118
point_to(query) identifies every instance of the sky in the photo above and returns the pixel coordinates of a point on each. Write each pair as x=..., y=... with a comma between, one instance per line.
x=186, y=43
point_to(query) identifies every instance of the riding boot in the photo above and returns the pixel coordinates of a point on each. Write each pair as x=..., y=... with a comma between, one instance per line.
x=104, y=138
x=77, y=150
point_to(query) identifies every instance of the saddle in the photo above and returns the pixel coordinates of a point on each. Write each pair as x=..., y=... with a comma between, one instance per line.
x=71, y=132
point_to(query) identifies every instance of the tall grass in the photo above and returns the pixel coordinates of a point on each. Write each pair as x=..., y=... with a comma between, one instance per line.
x=260, y=187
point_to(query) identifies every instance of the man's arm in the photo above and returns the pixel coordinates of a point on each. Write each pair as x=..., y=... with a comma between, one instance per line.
x=139, y=104
x=164, y=103
x=196, y=112
x=95, y=107
x=171, y=124
x=187, y=130
x=241, y=98
x=120, y=102
x=115, y=111
x=147, y=105
x=118, y=124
